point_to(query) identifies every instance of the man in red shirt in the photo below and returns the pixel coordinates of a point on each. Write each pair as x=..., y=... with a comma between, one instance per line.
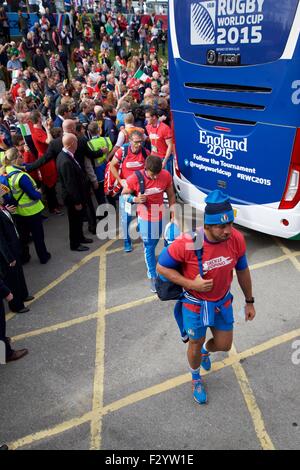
x=207, y=301
x=41, y=137
x=134, y=160
x=160, y=136
x=150, y=207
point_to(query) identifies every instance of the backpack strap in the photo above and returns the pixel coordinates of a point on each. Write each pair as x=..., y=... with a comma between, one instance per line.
x=124, y=155
x=144, y=153
x=141, y=181
x=125, y=152
x=198, y=249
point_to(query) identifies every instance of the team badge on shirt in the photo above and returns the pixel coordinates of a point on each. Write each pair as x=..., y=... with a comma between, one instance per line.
x=216, y=263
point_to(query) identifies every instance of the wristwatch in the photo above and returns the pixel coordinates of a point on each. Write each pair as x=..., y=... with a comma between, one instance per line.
x=250, y=301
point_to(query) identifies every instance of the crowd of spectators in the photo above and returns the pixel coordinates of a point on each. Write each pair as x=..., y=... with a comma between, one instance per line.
x=97, y=75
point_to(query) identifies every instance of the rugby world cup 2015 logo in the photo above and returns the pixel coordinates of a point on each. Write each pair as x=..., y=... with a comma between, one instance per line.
x=203, y=22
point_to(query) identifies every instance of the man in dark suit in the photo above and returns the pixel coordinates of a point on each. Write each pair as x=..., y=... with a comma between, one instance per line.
x=10, y=262
x=82, y=153
x=74, y=194
x=10, y=354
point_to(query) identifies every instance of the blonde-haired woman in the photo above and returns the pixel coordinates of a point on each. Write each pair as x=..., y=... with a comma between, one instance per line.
x=29, y=206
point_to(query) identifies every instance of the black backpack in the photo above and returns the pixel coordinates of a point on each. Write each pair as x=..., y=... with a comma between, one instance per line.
x=168, y=290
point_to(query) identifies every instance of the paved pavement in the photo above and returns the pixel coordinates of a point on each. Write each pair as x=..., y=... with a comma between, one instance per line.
x=106, y=368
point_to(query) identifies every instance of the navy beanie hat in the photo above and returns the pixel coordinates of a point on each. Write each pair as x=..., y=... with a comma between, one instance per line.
x=218, y=209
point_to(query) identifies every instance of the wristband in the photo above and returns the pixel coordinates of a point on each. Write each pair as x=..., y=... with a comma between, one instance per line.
x=130, y=198
x=250, y=301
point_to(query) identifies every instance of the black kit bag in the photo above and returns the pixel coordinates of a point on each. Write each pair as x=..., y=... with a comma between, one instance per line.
x=168, y=290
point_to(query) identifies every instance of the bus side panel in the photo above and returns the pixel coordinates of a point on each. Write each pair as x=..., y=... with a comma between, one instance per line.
x=250, y=163
x=280, y=105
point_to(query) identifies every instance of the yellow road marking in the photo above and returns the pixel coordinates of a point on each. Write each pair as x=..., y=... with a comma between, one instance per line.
x=290, y=255
x=98, y=411
x=154, y=390
x=117, y=250
x=47, y=433
x=251, y=403
x=9, y=316
x=84, y=318
x=66, y=274
x=119, y=308
x=271, y=343
x=269, y=262
x=98, y=390
x=134, y=303
x=57, y=327
x=60, y=279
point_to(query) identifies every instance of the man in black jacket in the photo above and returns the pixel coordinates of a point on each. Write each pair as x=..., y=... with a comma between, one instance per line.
x=38, y=61
x=83, y=151
x=73, y=191
x=9, y=353
x=10, y=262
x=55, y=147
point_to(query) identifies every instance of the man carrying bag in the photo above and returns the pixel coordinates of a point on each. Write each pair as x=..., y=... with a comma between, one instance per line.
x=206, y=301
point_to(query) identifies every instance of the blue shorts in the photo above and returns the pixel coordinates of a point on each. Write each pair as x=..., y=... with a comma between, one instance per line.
x=193, y=321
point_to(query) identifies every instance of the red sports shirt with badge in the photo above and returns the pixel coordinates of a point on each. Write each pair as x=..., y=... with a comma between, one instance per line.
x=153, y=209
x=132, y=162
x=158, y=136
x=219, y=260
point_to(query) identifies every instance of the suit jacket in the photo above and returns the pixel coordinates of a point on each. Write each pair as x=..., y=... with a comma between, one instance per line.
x=56, y=146
x=72, y=180
x=58, y=122
x=4, y=290
x=9, y=243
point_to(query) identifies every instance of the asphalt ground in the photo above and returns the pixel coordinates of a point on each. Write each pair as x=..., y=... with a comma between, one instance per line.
x=106, y=368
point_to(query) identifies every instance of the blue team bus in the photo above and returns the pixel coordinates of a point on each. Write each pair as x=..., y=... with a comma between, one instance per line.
x=235, y=97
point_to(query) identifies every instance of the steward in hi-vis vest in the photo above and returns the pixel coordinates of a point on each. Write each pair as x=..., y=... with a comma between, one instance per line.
x=97, y=143
x=29, y=206
x=26, y=204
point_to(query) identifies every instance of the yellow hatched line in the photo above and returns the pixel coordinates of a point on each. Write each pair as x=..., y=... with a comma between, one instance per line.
x=66, y=274
x=47, y=433
x=151, y=391
x=98, y=411
x=60, y=279
x=117, y=250
x=289, y=254
x=134, y=303
x=119, y=308
x=255, y=413
x=57, y=327
x=84, y=318
x=98, y=389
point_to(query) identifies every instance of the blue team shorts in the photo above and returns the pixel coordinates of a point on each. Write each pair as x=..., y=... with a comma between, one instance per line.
x=193, y=320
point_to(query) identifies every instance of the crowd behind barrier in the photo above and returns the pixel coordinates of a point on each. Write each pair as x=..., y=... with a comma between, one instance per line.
x=61, y=19
x=84, y=101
